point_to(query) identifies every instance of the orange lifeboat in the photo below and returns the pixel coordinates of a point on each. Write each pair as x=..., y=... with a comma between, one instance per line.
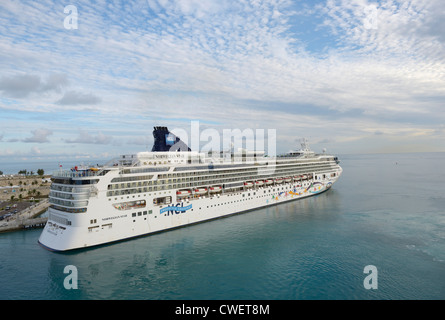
x=200, y=191
x=183, y=193
x=215, y=189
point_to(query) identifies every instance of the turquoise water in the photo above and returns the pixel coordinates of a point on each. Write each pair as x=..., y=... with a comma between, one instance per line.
x=386, y=211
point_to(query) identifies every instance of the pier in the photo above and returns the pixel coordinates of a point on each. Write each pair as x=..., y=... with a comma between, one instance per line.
x=27, y=218
x=34, y=223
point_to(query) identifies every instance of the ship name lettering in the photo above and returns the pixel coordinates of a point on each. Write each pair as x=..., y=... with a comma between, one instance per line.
x=175, y=209
x=116, y=217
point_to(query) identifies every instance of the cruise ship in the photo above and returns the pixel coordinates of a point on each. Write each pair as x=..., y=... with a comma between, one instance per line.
x=173, y=186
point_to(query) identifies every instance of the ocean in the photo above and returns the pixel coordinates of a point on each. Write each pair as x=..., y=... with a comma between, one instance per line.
x=385, y=214
x=49, y=167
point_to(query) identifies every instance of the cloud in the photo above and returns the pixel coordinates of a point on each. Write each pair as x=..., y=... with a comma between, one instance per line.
x=35, y=150
x=78, y=98
x=241, y=63
x=22, y=85
x=389, y=27
x=38, y=136
x=86, y=138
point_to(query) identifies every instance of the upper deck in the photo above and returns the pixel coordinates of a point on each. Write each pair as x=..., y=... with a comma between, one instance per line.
x=170, y=154
x=153, y=162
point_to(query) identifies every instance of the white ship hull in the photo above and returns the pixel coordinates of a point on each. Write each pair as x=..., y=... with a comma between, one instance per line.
x=113, y=225
x=156, y=191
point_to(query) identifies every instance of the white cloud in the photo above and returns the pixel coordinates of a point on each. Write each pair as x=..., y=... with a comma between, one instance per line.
x=388, y=28
x=86, y=138
x=39, y=136
x=36, y=150
x=237, y=63
x=22, y=85
x=78, y=98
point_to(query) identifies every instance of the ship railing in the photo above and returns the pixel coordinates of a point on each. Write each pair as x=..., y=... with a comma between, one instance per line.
x=69, y=203
x=71, y=188
x=74, y=174
x=69, y=196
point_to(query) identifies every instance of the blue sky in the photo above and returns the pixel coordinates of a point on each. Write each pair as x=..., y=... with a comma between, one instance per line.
x=350, y=76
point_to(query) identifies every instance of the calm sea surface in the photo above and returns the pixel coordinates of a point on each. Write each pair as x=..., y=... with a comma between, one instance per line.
x=386, y=210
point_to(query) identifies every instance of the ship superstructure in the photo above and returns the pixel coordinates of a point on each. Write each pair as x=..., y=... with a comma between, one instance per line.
x=172, y=186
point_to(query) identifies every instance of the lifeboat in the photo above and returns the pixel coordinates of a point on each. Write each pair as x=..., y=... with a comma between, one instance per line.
x=279, y=180
x=183, y=193
x=287, y=179
x=297, y=178
x=303, y=177
x=259, y=183
x=269, y=182
x=215, y=189
x=248, y=184
x=200, y=191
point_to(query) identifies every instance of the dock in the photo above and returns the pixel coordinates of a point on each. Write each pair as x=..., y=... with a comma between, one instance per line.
x=34, y=223
x=27, y=218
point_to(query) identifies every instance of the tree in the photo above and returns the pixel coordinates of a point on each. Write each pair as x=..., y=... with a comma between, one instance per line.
x=1, y=172
x=40, y=172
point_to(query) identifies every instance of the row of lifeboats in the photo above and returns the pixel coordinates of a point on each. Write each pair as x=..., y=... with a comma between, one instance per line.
x=247, y=184
x=198, y=191
x=268, y=182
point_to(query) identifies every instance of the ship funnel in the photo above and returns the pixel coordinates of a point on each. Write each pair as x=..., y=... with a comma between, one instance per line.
x=167, y=141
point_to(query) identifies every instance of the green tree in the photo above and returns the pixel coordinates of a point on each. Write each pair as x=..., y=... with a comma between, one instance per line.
x=40, y=172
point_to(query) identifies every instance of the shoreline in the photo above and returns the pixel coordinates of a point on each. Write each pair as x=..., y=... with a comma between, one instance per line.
x=23, y=199
x=26, y=218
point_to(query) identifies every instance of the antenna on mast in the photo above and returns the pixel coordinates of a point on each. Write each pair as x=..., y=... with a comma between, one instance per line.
x=304, y=144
